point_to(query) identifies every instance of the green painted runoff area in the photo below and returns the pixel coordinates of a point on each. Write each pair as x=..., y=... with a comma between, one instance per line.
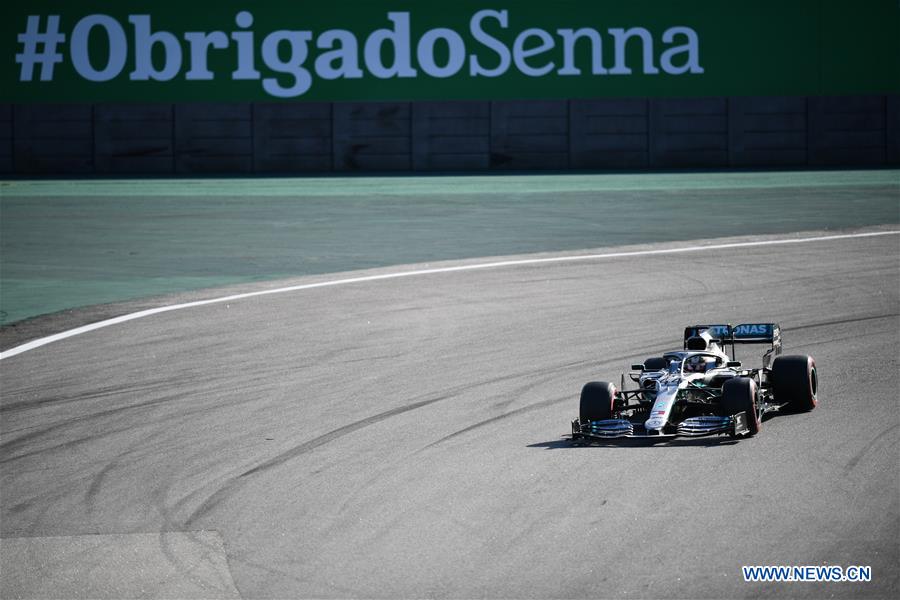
x=66, y=244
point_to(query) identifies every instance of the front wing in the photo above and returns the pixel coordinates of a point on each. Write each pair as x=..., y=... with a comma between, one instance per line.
x=733, y=425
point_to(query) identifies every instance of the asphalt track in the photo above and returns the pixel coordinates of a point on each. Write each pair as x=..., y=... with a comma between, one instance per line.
x=403, y=438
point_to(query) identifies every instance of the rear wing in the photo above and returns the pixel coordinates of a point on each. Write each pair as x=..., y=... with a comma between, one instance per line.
x=745, y=333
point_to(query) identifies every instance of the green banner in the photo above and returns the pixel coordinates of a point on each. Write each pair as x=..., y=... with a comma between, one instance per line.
x=168, y=51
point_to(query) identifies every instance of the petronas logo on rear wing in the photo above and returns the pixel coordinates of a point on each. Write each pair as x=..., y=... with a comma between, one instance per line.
x=745, y=333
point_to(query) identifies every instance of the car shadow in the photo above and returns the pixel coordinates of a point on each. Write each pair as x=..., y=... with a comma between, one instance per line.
x=687, y=442
x=704, y=442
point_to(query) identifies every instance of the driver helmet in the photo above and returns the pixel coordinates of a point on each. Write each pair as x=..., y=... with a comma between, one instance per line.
x=698, y=364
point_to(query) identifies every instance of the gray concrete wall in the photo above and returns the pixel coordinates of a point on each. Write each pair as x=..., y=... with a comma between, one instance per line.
x=689, y=132
x=451, y=136
x=847, y=130
x=767, y=132
x=372, y=136
x=609, y=133
x=134, y=138
x=292, y=138
x=213, y=138
x=530, y=134
x=284, y=138
x=892, y=133
x=6, y=138
x=53, y=139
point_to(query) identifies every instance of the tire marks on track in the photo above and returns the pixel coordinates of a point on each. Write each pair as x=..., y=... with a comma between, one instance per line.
x=234, y=483
x=502, y=417
x=854, y=461
x=846, y=321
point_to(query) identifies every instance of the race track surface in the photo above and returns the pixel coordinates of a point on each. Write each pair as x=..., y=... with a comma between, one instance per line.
x=403, y=438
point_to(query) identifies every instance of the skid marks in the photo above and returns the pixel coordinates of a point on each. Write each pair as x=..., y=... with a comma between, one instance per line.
x=241, y=476
x=846, y=321
x=507, y=415
x=854, y=461
x=39, y=505
x=96, y=431
x=835, y=339
x=552, y=373
x=101, y=393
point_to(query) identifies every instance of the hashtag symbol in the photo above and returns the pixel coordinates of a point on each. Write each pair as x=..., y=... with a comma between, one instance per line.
x=40, y=48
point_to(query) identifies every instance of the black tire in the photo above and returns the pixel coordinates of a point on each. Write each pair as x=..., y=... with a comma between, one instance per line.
x=655, y=364
x=739, y=395
x=795, y=381
x=597, y=399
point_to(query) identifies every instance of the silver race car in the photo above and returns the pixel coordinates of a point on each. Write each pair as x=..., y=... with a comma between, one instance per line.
x=700, y=390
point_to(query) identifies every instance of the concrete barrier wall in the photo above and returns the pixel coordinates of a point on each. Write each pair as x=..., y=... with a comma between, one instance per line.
x=53, y=138
x=213, y=138
x=609, y=133
x=847, y=130
x=689, y=132
x=451, y=136
x=767, y=132
x=284, y=138
x=372, y=136
x=530, y=134
x=134, y=138
x=292, y=138
x=892, y=133
x=6, y=138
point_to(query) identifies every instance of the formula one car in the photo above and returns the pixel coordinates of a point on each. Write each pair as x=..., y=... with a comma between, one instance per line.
x=700, y=390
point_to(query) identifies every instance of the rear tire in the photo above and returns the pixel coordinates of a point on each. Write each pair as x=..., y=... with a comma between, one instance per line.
x=795, y=382
x=597, y=399
x=739, y=395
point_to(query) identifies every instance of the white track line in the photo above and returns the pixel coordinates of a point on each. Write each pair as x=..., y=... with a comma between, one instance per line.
x=491, y=265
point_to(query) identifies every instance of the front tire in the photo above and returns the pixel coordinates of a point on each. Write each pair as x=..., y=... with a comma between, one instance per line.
x=739, y=395
x=795, y=382
x=597, y=398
